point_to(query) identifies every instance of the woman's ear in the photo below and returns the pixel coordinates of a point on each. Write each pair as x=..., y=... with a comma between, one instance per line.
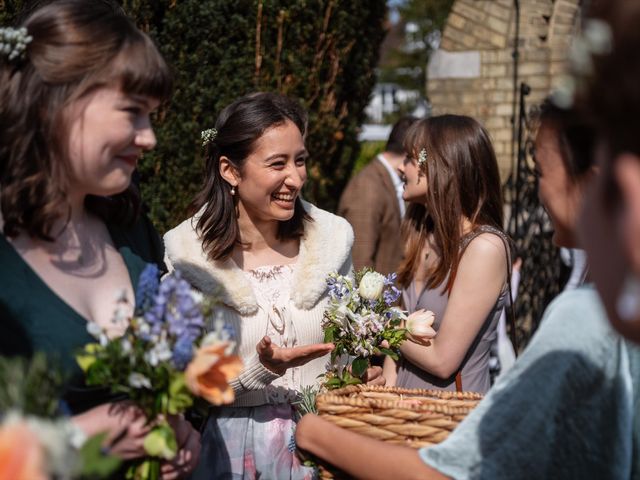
x=229, y=172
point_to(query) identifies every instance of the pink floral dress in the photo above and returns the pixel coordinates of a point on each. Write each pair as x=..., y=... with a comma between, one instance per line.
x=258, y=442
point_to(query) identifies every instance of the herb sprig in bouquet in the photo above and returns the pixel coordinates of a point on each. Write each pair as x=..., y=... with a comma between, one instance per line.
x=162, y=361
x=361, y=320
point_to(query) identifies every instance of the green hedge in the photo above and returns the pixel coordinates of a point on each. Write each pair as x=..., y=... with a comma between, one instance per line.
x=321, y=51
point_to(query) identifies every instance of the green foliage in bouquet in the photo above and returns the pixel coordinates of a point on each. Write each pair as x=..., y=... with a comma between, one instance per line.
x=32, y=386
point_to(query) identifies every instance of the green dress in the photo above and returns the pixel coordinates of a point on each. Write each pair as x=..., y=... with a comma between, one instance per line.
x=35, y=319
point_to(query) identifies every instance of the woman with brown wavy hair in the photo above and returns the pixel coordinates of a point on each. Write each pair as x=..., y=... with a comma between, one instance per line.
x=78, y=82
x=456, y=254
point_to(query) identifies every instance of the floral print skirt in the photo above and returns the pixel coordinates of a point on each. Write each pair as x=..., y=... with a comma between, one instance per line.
x=251, y=443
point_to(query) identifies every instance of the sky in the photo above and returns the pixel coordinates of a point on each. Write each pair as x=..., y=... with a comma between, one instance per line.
x=393, y=14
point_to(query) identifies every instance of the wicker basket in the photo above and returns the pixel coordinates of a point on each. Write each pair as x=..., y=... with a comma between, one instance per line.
x=412, y=417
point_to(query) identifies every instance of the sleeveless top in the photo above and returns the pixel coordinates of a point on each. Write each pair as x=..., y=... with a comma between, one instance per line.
x=475, y=366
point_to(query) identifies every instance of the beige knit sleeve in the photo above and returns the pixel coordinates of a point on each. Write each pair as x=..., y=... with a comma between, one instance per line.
x=255, y=376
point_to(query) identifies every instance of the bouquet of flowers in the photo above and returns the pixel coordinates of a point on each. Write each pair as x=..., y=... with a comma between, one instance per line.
x=37, y=441
x=361, y=320
x=162, y=361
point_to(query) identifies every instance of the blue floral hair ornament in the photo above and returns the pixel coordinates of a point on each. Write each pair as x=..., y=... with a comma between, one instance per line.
x=208, y=136
x=422, y=158
x=13, y=42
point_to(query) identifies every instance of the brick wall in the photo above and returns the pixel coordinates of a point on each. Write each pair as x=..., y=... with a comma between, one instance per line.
x=486, y=29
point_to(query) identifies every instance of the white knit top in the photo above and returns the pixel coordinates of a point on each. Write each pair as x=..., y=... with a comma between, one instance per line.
x=325, y=247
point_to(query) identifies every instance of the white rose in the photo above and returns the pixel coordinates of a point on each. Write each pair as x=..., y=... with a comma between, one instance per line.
x=419, y=324
x=371, y=286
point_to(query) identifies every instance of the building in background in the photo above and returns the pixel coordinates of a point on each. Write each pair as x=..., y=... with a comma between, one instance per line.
x=472, y=72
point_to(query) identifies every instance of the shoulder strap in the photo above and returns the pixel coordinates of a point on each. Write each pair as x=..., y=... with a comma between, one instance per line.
x=506, y=242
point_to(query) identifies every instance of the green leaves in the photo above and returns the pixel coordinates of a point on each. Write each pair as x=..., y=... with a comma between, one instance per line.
x=330, y=334
x=179, y=396
x=359, y=366
x=306, y=403
x=341, y=379
x=161, y=442
x=389, y=353
x=32, y=386
x=95, y=464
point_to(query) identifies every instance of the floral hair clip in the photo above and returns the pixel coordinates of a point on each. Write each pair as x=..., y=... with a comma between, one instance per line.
x=208, y=136
x=422, y=158
x=13, y=42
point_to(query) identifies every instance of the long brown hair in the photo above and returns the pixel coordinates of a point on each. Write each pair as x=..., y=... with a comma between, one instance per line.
x=77, y=46
x=462, y=182
x=238, y=127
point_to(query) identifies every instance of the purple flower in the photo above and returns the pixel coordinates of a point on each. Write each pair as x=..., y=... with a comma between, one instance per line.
x=338, y=290
x=391, y=295
x=175, y=309
x=147, y=287
x=183, y=352
x=390, y=279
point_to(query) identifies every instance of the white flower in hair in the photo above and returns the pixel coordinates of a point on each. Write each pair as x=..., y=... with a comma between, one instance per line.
x=208, y=136
x=422, y=158
x=13, y=42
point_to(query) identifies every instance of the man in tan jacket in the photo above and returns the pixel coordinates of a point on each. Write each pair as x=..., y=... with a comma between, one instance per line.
x=372, y=203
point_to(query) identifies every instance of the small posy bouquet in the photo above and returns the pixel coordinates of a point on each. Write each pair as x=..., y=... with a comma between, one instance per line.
x=361, y=320
x=162, y=361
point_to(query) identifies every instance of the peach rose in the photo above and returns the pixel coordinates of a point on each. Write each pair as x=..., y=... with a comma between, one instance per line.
x=210, y=371
x=21, y=455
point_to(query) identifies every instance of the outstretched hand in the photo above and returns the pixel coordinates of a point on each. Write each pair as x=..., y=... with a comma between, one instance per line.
x=279, y=359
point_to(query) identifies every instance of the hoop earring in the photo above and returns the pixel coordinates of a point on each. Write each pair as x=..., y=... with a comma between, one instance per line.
x=628, y=302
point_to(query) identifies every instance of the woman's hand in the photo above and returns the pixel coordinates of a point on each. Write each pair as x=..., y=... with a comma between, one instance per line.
x=373, y=376
x=279, y=359
x=188, y=450
x=125, y=425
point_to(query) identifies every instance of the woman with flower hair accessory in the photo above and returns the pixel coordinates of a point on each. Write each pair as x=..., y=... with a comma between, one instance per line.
x=78, y=82
x=269, y=253
x=456, y=254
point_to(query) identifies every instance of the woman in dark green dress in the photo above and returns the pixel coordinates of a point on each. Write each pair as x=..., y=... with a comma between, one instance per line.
x=77, y=86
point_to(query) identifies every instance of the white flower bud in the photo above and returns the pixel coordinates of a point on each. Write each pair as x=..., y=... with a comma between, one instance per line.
x=371, y=286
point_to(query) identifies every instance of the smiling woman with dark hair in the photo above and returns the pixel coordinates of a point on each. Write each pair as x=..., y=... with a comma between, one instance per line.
x=256, y=242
